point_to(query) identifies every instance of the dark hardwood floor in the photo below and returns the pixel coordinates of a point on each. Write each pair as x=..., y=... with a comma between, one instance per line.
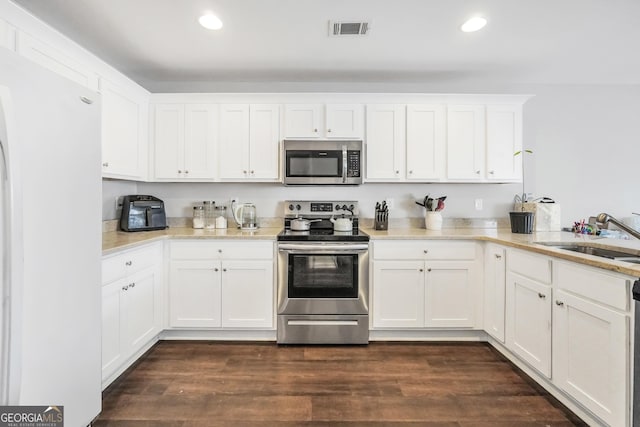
x=208, y=384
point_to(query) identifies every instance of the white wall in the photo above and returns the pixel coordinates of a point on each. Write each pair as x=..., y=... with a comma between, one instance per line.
x=586, y=155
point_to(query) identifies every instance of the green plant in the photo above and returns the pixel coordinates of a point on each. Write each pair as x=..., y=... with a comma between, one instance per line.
x=523, y=195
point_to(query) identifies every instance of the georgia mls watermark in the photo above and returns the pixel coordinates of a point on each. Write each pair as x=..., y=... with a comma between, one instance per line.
x=31, y=416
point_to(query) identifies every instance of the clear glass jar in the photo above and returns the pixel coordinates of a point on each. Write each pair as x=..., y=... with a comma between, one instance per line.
x=209, y=214
x=221, y=217
x=198, y=217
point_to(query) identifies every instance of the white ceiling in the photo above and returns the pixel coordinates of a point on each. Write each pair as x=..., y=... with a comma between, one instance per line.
x=160, y=44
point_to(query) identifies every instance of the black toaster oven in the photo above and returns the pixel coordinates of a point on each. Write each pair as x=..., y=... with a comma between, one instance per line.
x=142, y=213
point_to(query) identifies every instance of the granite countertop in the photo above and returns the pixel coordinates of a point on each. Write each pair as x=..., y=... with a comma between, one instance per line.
x=530, y=242
x=114, y=241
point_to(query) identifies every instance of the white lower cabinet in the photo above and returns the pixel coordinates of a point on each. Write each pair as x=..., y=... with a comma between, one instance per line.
x=131, y=306
x=195, y=294
x=528, y=319
x=591, y=352
x=222, y=284
x=494, y=290
x=437, y=289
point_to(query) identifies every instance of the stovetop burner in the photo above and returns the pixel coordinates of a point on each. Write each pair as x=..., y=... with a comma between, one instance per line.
x=321, y=230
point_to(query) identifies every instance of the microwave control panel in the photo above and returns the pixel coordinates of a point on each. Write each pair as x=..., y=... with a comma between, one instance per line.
x=353, y=163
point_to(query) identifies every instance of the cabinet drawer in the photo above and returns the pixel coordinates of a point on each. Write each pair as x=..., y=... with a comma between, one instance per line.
x=120, y=265
x=593, y=283
x=424, y=250
x=533, y=266
x=236, y=249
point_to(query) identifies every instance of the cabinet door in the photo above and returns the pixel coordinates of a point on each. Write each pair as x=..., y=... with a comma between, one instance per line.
x=398, y=294
x=528, y=325
x=425, y=142
x=7, y=35
x=112, y=338
x=194, y=289
x=344, y=120
x=385, y=142
x=141, y=309
x=247, y=294
x=123, y=119
x=264, y=137
x=200, y=127
x=302, y=120
x=54, y=60
x=450, y=294
x=233, y=150
x=504, y=138
x=494, y=291
x=465, y=142
x=169, y=141
x=590, y=356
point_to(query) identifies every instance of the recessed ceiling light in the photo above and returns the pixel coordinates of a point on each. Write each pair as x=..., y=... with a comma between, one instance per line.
x=210, y=21
x=474, y=24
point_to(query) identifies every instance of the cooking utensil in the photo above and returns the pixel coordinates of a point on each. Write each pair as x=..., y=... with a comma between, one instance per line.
x=342, y=224
x=301, y=224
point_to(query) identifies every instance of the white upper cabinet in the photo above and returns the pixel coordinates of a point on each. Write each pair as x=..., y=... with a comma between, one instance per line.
x=249, y=142
x=426, y=142
x=234, y=141
x=310, y=121
x=55, y=60
x=344, y=120
x=504, y=139
x=124, y=131
x=385, y=142
x=185, y=141
x=302, y=120
x=465, y=142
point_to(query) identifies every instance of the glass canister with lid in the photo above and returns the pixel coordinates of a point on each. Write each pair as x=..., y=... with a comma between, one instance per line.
x=209, y=214
x=198, y=217
x=221, y=217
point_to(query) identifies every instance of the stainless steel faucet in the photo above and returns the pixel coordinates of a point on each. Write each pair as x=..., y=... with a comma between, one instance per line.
x=604, y=218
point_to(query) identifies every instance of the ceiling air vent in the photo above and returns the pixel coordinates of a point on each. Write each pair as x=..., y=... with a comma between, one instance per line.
x=350, y=28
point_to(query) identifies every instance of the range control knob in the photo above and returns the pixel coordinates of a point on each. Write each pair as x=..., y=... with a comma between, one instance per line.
x=298, y=207
x=351, y=207
x=337, y=207
x=290, y=207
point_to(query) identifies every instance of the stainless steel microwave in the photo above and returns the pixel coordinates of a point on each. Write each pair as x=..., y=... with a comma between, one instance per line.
x=322, y=162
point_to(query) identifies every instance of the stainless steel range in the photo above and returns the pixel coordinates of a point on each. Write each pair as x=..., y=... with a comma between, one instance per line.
x=323, y=276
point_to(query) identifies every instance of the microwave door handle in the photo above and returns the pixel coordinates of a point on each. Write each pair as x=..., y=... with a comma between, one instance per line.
x=344, y=164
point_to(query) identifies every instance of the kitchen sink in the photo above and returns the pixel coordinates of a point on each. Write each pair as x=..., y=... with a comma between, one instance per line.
x=596, y=251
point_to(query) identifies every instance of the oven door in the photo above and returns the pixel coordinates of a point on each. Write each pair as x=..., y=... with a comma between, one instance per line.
x=322, y=278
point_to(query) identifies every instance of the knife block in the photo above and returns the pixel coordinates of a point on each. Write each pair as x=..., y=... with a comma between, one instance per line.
x=381, y=224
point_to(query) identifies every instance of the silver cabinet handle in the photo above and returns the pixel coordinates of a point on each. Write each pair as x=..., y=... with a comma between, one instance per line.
x=216, y=269
x=244, y=172
x=105, y=164
x=477, y=172
x=410, y=172
x=425, y=251
x=186, y=171
x=132, y=285
x=498, y=256
x=124, y=288
x=421, y=270
x=541, y=295
x=219, y=251
x=559, y=303
x=252, y=172
x=329, y=130
x=397, y=172
x=491, y=172
x=224, y=269
x=428, y=270
x=86, y=100
x=128, y=263
x=315, y=130
x=179, y=171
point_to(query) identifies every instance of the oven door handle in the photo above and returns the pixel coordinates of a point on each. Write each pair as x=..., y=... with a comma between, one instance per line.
x=291, y=247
